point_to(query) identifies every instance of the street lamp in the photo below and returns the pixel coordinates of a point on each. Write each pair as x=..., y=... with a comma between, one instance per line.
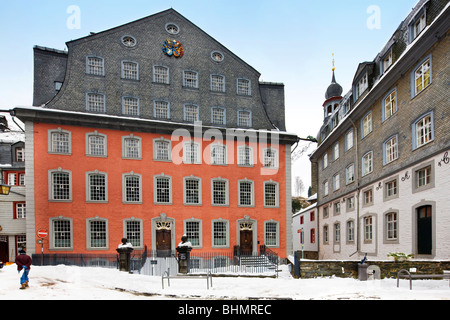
x=4, y=189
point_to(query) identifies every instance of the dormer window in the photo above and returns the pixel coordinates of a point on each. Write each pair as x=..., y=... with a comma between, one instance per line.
x=387, y=61
x=362, y=85
x=418, y=24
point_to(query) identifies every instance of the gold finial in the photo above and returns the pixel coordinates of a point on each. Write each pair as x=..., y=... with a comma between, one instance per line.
x=333, y=63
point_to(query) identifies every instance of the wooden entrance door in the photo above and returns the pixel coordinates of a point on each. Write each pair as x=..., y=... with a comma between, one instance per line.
x=163, y=242
x=246, y=242
x=424, y=230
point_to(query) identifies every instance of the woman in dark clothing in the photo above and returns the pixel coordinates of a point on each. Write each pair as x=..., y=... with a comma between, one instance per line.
x=23, y=262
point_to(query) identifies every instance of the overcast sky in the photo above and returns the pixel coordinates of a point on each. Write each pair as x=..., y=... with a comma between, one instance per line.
x=285, y=40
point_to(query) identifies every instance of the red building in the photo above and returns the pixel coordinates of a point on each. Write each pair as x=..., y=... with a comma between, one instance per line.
x=140, y=143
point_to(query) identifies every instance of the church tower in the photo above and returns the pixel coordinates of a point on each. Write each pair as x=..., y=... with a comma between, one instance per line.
x=333, y=96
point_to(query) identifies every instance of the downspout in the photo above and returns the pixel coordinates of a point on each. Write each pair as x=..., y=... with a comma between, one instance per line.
x=358, y=234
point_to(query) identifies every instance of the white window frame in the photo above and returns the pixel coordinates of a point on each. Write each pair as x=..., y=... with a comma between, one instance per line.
x=389, y=105
x=89, y=233
x=366, y=125
x=155, y=189
x=190, y=79
x=252, y=193
x=199, y=191
x=215, y=116
x=276, y=194
x=161, y=74
x=94, y=68
x=125, y=154
x=269, y=235
x=130, y=70
x=89, y=144
x=189, y=114
x=225, y=192
x=245, y=156
x=325, y=188
x=217, y=83
x=270, y=161
x=89, y=186
x=199, y=232
x=51, y=185
x=348, y=140
x=243, y=87
x=390, y=149
x=68, y=233
x=336, y=182
x=350, y=174
x=218, y=157
x=243, y=121
x=423, y=131
x=422, y=72
x=95, y=102
x=127, y=233
x=367, y=163
x=225, y=232
x=158, y=152
x=158, y=109
x=192, y=152
x=130, y=103
x=124, y=187
x=54, y=145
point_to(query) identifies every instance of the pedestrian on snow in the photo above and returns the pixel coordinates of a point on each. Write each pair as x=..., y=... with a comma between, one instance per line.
x=23, y=262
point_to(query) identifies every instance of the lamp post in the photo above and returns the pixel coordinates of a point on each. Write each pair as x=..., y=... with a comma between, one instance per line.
x=4, y=189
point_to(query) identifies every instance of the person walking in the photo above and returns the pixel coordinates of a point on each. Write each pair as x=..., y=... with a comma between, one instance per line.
x=23, y=262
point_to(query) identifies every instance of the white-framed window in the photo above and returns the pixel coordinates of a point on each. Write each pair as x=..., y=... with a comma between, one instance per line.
x=270, y=158
x=392, y=226
x=193, y=230
x=325, y=160
x=350, y=230
x=97, y=233
x=423, y=177
x=245, y=156
x=368, y=197
x=95, y=66
x=191, y=113
x=390, y=149
x=366, y=125
x=421, y=77
x=21, y=179
x=130, y=106
x=95, y=102
x=218, y=115
x=349, y=140
x=417, y=25
x=350, y=174
x=12, y=178
x=132, y=188
x=60, y=185
x=325, y=188
x=325, y=234
x=130, y=70
x=21, y=210
x=336, y=182
x=161, y=109
x=161, y=74
x=218, y=154
x=368, y=228
x=271, y=233
x=391, y=189
x=191, y=152
x=190, y=79
x=133, y=232
x=131, y=147
x=96, y=144
x=271, y=194
x=162, y=149
x=243, y=87
x=362, y=85
x=337, y=208
x=367, y=163
x=335, y=152
x=60, y=141
x=244, y=118
x=96, y=187
x=217, y=83
x=219, y=192
x=129, y=41
x=389, y=105
x=423, y=130
x=162, y=189
x=192, y=194
x=62, y=233
x=246, y=194
x=20, y=154
x=220, y=232
x=337, y=232
x=387, y=61
x=350, y=201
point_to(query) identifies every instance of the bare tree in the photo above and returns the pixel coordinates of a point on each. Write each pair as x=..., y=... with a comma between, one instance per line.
x=299, y=187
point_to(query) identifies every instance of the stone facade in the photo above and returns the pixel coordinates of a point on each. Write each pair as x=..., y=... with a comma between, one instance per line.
x=353, y=210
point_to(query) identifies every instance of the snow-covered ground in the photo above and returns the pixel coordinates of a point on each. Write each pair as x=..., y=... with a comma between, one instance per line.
x=73, y=283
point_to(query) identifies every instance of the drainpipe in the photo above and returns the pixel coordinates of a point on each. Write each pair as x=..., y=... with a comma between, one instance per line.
x=355, y=139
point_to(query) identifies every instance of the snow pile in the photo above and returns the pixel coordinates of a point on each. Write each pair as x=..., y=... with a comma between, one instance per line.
x=74, y=283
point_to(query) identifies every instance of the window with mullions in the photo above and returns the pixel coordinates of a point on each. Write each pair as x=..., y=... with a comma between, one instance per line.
x=161, y=109
x=161, y=74
x=163, y=190
x=130, y=70
x=270, y=194
x=270, y=158
x=390, y=150
x=271, y=234
x=368, y=229
x=60, y=187
x=244, y=118
x=133, y=232
x=97, y=233
x=132, y=188
x=389, y=105
x=130, y=106
x=421, y=77
x=391, y=219
x=217, y=83
x=243, y=87
x=192, y=191
x=131, y=147
x=97, y=187
x=96, y=144
x=218, y=115
x=162, y=150
x=193, y=232
x=191, y=113
x=246, y=197
x=95, y=103
x=191, y=152
x=190, y=79
x=219, y=192
x=245, y=156
x=423, y=131
x=367, y=163
x=60, y=141
x=218, y=154
x=62, y=233
x=95, y=66
x=220, y=233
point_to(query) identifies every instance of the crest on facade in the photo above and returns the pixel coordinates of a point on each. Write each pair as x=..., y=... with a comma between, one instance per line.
x=173, y=48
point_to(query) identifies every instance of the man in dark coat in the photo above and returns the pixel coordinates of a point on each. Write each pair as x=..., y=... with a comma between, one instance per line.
x=23, y=262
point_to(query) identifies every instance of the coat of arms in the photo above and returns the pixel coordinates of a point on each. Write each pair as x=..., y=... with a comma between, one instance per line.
x=173, y=48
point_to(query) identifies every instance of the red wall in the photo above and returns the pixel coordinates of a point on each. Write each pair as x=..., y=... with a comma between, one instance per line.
x=115, y=211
